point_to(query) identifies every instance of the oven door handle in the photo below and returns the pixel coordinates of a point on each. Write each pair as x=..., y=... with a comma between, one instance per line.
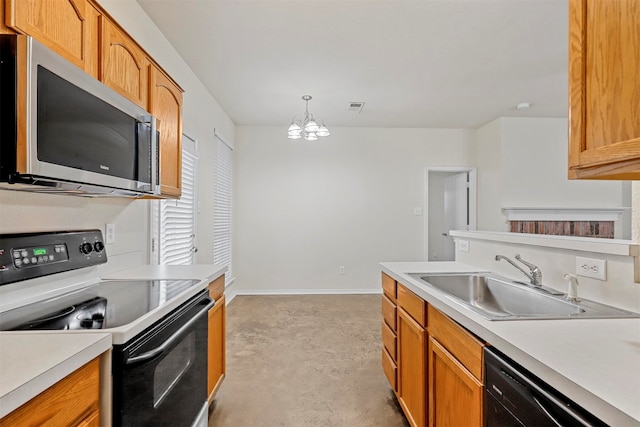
x=151, y=354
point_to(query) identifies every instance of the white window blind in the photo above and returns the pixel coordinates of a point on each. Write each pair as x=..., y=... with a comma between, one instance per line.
x=177, y=222
x=222, y=251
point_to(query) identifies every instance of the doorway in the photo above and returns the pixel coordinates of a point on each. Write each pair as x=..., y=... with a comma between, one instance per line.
x=450, y=201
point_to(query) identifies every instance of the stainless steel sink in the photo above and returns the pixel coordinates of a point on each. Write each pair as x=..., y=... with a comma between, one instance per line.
x=498, y=298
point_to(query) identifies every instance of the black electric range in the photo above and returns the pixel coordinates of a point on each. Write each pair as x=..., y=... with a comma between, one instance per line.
x=121, y=307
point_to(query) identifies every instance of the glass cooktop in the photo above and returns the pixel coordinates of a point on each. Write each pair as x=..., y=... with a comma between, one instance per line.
x=107, y=304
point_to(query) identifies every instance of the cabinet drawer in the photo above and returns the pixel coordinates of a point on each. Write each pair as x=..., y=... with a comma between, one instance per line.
x=70, y=401
x=413, y=305
x=389, y=340
x=389, y=287
x=458, y=341
x=390, y=369
x=389, y=312
x=216, y=288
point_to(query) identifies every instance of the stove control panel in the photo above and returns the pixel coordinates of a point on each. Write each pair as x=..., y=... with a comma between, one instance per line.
x=29, y=255
x=39, y=255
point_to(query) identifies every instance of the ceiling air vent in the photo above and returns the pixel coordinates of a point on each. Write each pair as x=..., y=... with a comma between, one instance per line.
x=355, y=107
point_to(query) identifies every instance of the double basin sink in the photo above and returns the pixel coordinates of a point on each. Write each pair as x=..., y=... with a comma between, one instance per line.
x=498, y=298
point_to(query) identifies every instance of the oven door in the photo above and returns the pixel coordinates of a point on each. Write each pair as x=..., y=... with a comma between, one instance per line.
x=160, y=376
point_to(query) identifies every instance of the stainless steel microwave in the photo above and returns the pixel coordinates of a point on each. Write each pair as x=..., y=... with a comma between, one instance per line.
x=63, y=131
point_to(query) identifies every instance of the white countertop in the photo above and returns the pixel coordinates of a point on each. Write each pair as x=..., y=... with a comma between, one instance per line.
x=31, y=362
x=205, y=272
x=595, y=362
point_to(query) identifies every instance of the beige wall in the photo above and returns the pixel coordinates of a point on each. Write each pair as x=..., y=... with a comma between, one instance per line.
x=522, y=162
x=303, y=209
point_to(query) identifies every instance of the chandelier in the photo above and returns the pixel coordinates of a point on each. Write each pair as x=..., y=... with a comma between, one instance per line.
x=307, y=127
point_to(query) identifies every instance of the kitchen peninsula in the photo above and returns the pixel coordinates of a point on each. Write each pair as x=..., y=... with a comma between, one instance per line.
x=593, y=362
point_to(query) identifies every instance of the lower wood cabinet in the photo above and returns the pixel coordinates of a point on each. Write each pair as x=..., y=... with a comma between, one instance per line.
x=389, y=331
x=73, y=401
x=217, y=332
x=438, y=369
x=455, y=395
x=456, y=367
x=412, y=369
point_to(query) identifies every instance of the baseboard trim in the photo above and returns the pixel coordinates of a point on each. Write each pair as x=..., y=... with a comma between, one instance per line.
x=231, y=294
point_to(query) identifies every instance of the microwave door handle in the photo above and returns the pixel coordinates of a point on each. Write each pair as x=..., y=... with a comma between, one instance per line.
x=155, y=184
x=151, y=354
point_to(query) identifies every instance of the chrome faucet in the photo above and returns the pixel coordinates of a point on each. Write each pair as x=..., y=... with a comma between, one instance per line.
x=534, y=274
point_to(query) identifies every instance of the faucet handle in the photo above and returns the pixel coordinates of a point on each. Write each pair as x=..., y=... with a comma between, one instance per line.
x=528, y=264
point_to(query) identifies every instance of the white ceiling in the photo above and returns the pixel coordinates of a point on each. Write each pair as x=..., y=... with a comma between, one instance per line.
x=420, y=63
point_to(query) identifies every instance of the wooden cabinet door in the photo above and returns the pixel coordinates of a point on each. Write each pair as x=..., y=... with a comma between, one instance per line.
x=72, y=401
x=412, y=369
x=455, y=395
x=166, y=105
x=604, y=89
x=216, y=347
x=4, y=29
x=92, y=420
x=68, y=27
x=125, y=67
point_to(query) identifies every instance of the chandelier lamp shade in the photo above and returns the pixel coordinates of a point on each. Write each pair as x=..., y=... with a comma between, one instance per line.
x=307, y=127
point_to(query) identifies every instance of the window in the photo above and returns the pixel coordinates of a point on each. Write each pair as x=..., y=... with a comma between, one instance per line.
x=223, y=207
x=175, y=220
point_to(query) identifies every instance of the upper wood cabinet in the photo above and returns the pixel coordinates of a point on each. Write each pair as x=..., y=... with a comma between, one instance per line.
x=166, y=104
x=68, y=27
x=83, y=33
x=3, y=23
x=604, y=89
x=125, y=67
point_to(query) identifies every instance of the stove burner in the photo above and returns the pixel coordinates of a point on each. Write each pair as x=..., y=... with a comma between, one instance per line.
x=85, y=315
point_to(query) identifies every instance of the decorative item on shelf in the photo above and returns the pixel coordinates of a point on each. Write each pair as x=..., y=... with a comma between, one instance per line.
x=307, y=127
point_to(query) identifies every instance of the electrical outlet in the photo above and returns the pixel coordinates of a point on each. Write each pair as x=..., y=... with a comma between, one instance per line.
x=341, y=269
x=591, y=267
x=463, y=245
x=110, y=233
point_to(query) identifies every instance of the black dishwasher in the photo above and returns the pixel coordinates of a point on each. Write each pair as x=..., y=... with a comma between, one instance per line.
x=514, y=397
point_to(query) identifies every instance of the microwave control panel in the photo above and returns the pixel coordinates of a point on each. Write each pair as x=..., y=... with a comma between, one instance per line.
x=30, y=255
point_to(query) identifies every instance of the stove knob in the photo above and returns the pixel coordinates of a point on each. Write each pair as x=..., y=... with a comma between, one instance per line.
x=86, y=248
x=86, y=324
x=98, y=246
